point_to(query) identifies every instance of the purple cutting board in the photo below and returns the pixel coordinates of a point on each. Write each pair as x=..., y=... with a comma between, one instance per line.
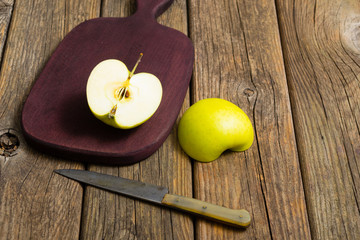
x=56, y=118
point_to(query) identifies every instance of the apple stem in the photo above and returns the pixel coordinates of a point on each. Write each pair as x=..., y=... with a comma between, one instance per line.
x=136, y=64
x=123, y=91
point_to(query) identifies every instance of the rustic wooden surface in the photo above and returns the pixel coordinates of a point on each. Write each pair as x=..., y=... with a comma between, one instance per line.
x=292, y=66
x=321, y=53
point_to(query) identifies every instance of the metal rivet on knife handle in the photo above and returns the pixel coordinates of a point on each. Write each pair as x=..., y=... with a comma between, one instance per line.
x=233, y=217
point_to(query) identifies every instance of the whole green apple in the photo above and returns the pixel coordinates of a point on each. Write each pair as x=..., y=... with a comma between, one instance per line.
x=213, y=125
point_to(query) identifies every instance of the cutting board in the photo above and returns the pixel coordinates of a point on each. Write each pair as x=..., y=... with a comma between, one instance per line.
x=56, y=118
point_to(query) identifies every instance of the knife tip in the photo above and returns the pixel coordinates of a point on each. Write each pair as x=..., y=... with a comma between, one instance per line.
x=60, y=171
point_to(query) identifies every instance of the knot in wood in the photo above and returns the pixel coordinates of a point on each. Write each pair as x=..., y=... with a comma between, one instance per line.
x=9, y=143
x=351, y=32
x=249, y=92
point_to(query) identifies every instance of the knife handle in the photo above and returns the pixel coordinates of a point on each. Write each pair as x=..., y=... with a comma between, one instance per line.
x=237, y=218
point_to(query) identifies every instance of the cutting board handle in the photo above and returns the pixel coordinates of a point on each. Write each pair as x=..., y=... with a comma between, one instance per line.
x=154, y=7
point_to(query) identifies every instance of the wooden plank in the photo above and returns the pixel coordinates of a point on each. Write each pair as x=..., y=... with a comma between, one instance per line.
x=6, y=8
x=35, y=203
x=321, y=49
x=239, y=58
x=108, y=216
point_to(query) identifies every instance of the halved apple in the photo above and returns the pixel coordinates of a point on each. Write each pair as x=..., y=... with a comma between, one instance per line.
x=121, y=98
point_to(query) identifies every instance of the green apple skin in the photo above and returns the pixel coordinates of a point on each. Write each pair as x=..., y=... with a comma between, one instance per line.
x=213, y=125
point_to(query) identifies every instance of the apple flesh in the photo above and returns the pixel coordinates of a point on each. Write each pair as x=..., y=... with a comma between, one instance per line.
x=120, y=98
x=213, y=125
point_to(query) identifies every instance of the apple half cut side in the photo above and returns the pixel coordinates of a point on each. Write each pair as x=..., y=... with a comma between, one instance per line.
x=121, y=98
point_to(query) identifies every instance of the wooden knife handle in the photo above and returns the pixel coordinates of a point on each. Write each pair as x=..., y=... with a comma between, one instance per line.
x=237, y=218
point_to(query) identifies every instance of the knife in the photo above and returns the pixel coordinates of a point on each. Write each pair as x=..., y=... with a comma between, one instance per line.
x=159, y=195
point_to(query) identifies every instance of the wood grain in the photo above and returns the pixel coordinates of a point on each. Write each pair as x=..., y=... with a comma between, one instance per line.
x=6, y=7
x=107, y=215
x=239, y=58
x=35, y=204
x=321, y=51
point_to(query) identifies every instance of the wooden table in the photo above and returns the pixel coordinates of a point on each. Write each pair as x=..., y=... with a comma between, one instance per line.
x=292, y=66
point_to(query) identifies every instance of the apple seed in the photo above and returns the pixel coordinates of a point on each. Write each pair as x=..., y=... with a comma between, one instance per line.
x=121, y=93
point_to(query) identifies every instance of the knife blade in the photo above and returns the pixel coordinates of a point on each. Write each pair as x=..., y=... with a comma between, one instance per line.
x=159, y=195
